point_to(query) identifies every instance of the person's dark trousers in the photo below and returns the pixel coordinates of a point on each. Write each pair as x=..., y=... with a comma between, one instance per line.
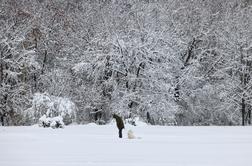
x=120, y=133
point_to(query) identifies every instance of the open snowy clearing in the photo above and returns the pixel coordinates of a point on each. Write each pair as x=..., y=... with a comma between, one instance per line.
x=92, y=145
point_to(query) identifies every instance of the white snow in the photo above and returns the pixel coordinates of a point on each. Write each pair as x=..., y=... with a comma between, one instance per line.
x=93, y=145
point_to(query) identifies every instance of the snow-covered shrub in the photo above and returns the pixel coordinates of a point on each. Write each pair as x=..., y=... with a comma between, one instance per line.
x=131, y=121
x=55, y=122
x=44, y=121
x=137, y=121
x=52, y=106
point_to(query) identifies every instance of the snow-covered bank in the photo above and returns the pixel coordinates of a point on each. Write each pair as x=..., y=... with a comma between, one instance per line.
x=92, y=145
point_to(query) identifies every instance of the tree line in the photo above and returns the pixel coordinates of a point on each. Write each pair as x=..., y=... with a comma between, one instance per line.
x=168, y=62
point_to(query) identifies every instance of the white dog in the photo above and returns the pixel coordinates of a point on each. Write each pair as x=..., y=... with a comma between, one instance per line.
x=131, y=135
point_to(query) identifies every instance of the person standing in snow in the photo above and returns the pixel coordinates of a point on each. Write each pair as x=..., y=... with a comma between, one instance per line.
x=119, y=123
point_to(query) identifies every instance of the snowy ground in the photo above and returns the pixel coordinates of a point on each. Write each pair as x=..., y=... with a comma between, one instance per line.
x=92, y=145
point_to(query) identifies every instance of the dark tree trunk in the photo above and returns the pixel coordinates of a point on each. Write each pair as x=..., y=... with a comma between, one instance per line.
x=249, y=117
x=141, y=66
x=243, y=111
x=44, y=62
x=2, y=120
x=1, y=74
x=35, y=82
x=148, y=117
x=189, y=54
x=1, y=68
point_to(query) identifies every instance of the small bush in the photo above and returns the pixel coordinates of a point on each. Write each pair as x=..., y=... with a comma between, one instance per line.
x=55, y=122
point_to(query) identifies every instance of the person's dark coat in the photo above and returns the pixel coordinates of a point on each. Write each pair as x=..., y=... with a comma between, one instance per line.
x=119, y=122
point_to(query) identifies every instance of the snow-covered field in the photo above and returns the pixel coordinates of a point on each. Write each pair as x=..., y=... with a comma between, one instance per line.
x=92, y=145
